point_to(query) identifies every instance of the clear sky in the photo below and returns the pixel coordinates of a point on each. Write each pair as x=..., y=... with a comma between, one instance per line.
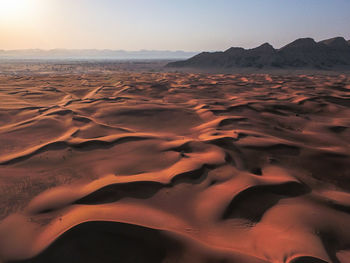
x=191, y=25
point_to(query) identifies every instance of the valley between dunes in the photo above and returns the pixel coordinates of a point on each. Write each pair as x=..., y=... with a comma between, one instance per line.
x=174, y=167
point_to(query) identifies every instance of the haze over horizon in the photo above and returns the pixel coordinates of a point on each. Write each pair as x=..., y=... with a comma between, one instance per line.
x=167, y=25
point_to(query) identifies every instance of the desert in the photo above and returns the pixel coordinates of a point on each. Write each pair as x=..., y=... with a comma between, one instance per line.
x=103, y=164
x=182, y=131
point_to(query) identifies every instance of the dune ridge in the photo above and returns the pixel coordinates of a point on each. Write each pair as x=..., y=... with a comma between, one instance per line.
x=175, y=167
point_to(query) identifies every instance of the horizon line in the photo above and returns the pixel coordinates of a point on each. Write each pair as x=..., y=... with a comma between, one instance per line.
x=157, y=50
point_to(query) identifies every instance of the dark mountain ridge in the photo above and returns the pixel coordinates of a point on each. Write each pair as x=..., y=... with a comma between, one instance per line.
x=301, y=53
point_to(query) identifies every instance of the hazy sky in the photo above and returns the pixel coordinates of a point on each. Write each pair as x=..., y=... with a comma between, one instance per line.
x=192, y=25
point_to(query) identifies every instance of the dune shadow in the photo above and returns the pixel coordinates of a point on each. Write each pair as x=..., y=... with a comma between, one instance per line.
x=253, y=202
x=108, y=242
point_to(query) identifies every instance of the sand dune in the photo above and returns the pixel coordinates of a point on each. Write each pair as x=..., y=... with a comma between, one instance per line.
x=174, y=167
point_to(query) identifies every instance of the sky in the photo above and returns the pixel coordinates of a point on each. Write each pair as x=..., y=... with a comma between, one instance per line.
x=190, y=25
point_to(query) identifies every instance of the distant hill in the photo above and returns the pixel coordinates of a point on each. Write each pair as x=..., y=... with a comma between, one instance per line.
x=93, y=54
x=301, y=53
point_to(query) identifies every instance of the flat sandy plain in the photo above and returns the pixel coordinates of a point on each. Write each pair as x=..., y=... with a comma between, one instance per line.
x=120, y=166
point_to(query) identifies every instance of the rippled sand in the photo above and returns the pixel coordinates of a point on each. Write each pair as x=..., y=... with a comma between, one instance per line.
x=174, y=167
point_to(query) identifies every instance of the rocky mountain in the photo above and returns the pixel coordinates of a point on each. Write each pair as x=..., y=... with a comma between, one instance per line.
x=301, y=53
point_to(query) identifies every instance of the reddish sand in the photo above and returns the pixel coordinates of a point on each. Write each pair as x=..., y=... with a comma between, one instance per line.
x=174, y=167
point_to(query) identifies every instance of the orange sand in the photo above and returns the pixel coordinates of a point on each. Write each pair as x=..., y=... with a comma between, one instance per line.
x=174, y=167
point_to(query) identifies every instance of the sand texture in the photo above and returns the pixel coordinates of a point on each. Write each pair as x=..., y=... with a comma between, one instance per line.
x=174, y=167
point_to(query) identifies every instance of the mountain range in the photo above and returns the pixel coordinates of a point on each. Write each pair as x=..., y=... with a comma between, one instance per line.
x=93, y=54
x=301, y=53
